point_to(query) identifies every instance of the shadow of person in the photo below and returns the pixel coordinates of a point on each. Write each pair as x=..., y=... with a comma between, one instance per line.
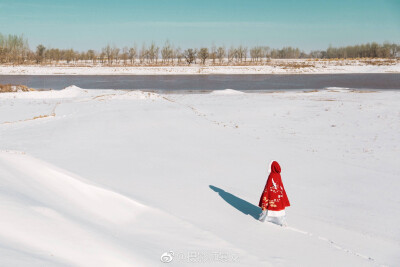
x=238, y=203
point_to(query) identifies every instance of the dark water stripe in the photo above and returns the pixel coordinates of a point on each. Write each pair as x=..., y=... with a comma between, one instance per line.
x=209, y=82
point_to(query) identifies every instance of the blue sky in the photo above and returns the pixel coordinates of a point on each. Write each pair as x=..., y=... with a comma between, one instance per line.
x=306, y=24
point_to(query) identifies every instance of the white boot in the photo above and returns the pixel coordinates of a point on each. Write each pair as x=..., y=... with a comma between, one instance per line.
x=281, y=220
x=263, y=215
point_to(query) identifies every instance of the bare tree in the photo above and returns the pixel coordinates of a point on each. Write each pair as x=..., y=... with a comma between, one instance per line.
x=243, y=53
x=221, y=54
x=203, y=54
x=40, y=53
x=167, y=52
x=240, y=53
x=316, y=54
x=266, y=52
x=115, y=53
x=132, y=54
x=190, y=55
x=153, y=53
x=125, y=54
x=394, y=50
x=213, y=54
x=143, y=53
x=69, y=55
x=102, y=56
x=108, y=52
x=91, y=54
x=178, y=54
x=232, y=53
x=256, y=53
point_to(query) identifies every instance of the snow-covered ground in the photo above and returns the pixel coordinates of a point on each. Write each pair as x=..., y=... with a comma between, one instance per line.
x=118, y=178
x=274, y=67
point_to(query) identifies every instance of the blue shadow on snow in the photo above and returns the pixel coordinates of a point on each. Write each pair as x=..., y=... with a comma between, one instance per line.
x=238, y=203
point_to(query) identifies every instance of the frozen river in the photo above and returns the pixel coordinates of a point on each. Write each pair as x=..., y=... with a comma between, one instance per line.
x=209, y=82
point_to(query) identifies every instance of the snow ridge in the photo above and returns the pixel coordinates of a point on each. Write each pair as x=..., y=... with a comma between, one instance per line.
x=48, y=209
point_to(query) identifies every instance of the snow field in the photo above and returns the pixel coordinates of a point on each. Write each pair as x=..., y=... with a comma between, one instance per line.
x=117, y=178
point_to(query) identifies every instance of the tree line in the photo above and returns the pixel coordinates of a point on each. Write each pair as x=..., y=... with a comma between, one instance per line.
x=14, y=49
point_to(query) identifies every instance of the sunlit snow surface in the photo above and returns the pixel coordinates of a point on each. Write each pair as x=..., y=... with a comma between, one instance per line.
x=117, y=178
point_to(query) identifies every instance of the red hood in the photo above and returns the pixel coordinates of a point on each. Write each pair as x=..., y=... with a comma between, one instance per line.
x=275, y=167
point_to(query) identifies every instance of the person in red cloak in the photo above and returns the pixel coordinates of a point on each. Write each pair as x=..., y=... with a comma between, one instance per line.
x=274, y=200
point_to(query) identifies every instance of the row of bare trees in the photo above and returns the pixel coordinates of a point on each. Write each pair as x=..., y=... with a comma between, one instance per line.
x=15, y=50
x=370, y=50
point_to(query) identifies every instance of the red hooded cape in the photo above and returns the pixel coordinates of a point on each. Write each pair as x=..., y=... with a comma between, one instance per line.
x=274, y=195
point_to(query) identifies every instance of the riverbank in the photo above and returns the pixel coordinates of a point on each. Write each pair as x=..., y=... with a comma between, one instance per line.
x=274, y=67
x=9, y=88
x=119, y=177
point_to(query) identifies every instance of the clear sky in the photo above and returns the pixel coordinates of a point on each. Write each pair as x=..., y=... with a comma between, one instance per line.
x=312, y=24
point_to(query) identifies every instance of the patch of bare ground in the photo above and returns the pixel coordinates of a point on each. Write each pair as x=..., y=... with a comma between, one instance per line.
x=269, y=92
x=102, y=97
x=363, y=91
x=386, y=62
x=355, y=61
x=324, y=99
x=9, y=88
x=34, y=118
x=311, y=91
x=294, y=65
x=52, y=114
x=42, y=116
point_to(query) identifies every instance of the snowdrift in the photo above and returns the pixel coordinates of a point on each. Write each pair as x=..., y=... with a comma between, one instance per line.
x=68, y=92
x=46, y=209
x=338, y=89
x=73, y=92
x=226, y=92
x=55, y=218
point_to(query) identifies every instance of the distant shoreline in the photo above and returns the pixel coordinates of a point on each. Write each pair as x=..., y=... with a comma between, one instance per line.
x=288, y=66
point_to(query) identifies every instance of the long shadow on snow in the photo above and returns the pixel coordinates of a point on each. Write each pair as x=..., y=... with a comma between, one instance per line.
x=238, y=203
